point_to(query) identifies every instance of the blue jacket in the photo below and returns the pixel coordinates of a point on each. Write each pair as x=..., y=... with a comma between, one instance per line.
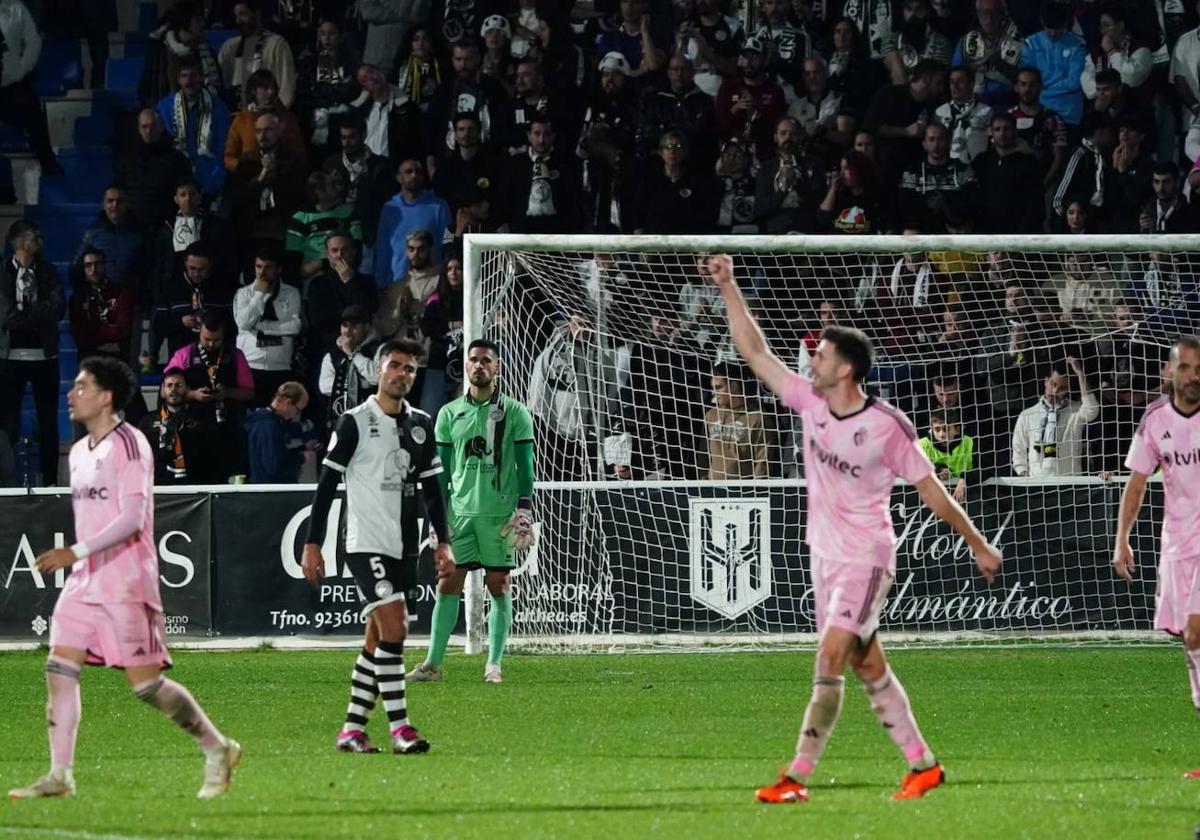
x=210, y=168
x=1061, y=65
x=125, y=253
x=271, y=462
x=397, y=220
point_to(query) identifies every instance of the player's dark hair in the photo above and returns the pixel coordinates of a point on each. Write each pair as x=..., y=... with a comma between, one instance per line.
x=1056, y=15
x=214, y=321
x=189, y=62
x=354, y=122
x=1164, y=167
x=1191, y=342
x=853, y=346
x=112, y=375
x=198, y=249
x=269, y=253
x=22, y=228
x=400, y=345
x=947, y=416
x=486, y=344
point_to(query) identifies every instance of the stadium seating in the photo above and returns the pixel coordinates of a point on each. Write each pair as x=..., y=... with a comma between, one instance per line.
x=60, y=67
x=123, y=74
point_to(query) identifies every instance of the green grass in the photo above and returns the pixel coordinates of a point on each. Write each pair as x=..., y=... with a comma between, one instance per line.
x=1057, y=743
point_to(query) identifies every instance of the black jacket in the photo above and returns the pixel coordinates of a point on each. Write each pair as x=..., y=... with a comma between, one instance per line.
x=406, y=133
x=149, y=176
x=375, y=186
x=564, y=190
x=1010, y=192
x=216, y=235
x=690, y=112
x=39, y=318
x=326, y=299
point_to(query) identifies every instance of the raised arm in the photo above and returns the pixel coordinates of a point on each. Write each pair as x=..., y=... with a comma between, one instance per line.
x=934, y=495
x=1131, y=503
x=747, y=335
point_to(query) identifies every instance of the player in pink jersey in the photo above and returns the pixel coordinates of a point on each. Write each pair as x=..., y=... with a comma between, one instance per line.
x=110, y=611
x=1169, y=438
x=855, y=447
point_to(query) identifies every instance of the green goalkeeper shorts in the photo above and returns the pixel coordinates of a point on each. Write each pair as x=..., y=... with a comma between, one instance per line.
x=477, y=543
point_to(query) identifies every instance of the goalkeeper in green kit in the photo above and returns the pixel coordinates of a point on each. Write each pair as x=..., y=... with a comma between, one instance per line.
x=485, y=441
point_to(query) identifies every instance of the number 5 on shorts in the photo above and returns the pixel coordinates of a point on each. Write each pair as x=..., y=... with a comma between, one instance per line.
x=377, y=568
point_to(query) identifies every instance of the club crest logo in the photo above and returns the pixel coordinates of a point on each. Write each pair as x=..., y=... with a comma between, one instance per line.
x=730, y=554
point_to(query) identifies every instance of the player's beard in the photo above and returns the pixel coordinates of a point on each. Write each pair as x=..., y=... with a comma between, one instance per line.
x=398, y=390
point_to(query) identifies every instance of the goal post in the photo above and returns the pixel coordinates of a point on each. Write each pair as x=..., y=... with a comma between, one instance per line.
x=670, y=498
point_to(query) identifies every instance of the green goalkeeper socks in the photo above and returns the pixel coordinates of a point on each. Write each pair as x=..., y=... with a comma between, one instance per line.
x=445, y=616
x=499, y=620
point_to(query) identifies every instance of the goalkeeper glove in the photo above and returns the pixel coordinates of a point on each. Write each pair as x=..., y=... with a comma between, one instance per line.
x=519, y=530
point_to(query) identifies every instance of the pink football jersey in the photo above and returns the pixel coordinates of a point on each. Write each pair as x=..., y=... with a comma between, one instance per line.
x=1171, y=440
x=850, y=464
x=112, y=490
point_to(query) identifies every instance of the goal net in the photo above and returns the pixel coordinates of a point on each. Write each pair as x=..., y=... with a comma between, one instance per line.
x=670, y=495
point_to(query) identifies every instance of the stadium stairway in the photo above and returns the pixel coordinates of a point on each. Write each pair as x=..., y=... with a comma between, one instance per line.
x=83, y=129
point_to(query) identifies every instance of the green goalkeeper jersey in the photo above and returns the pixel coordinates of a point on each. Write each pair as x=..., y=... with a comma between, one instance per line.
x=486, y=450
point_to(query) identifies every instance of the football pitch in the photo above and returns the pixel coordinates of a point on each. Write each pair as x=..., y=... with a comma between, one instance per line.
x=1037, y=742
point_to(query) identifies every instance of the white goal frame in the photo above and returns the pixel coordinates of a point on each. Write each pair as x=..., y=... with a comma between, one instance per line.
x=476, y=245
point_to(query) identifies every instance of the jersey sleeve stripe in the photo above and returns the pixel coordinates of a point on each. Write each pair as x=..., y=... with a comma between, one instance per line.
x=333, y=465
x=131, y=447
x=910, y=431
x=1162, y=401
x=119, y=434
x=431, y=472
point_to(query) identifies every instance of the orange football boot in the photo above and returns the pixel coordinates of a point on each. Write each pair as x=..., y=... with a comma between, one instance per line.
x=784, y=791
x=917, y=783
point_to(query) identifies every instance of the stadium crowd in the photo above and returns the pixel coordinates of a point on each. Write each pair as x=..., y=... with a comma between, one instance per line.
x=299, y=195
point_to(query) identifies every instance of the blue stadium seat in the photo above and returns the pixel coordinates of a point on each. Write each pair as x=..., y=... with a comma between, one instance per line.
x=68, y=366
x=28, y=415
x=88, y=170
x=124, y=73
x=63, y=226
x=60, y=67
x=217, y=37
x=66, y=434
x=12, y=140
x=97, y=129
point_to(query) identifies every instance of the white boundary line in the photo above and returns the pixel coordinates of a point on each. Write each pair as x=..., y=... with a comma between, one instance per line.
x=681, y=642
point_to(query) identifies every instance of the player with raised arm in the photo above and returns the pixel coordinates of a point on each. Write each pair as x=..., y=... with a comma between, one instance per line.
x=110, y=610
x=1167, y=437
x=855, y=447
x=486, y=442
x=381, y=449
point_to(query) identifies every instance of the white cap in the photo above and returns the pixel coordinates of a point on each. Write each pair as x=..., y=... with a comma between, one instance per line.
x=493, y=22
x=614, y=61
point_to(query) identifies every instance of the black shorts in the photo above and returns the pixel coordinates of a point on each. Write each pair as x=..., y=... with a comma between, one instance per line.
x=382, y=578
